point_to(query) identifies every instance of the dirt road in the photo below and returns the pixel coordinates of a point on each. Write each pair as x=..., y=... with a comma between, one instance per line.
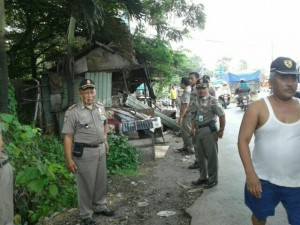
x=163, y=185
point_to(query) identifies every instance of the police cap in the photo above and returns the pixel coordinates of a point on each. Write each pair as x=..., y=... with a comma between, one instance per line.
x=86, y=83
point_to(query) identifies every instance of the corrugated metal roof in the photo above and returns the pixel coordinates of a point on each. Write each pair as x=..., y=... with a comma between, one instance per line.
x=103, y=82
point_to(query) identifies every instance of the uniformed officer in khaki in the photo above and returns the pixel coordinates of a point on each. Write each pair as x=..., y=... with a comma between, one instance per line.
x=211, y=89
x=206, y=132
x=85, y=127
x=193, y=77
x=184, y=120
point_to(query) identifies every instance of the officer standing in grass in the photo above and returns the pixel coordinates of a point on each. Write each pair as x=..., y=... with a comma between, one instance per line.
x=206, y=132
x=6, y=188
x=86, y=127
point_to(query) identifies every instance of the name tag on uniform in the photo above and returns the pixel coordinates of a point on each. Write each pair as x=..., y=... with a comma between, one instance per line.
x=200, y=119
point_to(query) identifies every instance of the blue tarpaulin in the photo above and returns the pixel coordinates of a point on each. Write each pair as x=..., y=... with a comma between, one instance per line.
x=141, y=87
x=236, y=77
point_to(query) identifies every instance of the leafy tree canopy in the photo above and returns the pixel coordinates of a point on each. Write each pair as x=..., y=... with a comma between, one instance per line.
x=36, y=32
x=173, y=19
x=165, y=64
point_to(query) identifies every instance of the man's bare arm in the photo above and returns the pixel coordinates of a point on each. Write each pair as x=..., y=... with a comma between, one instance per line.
x=106, y=129
x=247, y=128
x=183, y=111
x=71, y=166
x=222, y=122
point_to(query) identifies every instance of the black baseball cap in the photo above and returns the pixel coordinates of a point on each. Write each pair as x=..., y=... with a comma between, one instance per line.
x=185, y=81
x=284, y=65
x=202, y=83
x=86, y=83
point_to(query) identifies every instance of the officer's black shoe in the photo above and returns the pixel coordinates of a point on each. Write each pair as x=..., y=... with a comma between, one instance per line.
x=210, y=184
x=106, y=212
x=182, y=150
x=194, y=166
x=200, y=182
x=188, y=153
x=89, y=221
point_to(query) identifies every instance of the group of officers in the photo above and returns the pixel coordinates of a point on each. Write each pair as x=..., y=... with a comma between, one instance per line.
x=85, y=145
x=198, y=118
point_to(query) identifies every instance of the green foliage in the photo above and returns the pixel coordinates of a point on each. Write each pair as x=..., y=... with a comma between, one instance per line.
x=39, y=171
x=223, y=63
x=122, y=157
x=42, y=183
x=161, y=14
x=166, y=66
x=36, y=30
x=12, y=103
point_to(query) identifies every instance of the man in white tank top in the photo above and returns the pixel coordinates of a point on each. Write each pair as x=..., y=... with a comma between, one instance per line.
x=273, y=168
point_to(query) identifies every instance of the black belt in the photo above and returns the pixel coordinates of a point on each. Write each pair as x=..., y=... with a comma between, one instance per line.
x=203, y=125
x=91, y=146
x=3, y=163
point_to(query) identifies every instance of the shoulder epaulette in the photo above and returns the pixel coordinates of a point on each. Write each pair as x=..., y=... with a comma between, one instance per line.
x=99, y=103
x=72, y=106
x=212, y=98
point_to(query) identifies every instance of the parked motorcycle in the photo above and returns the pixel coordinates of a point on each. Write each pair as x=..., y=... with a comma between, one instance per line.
x=244, y=102
x=224, y=100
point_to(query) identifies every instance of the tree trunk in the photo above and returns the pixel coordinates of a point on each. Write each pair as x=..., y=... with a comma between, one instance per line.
x=69, y=61
x=3, y=63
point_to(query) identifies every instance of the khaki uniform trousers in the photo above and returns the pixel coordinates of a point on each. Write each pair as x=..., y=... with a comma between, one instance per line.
x=186, y=132
x=6, y=195
x=206, y=151
x=91, y=181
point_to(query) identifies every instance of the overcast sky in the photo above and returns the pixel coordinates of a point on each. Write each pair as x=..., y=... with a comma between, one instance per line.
x=252, y=30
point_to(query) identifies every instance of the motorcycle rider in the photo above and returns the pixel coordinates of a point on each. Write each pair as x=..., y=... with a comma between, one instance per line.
x=242, y=90
x=224, y=90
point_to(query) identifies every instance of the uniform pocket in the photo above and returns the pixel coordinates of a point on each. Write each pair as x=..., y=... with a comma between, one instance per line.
x=85, y=122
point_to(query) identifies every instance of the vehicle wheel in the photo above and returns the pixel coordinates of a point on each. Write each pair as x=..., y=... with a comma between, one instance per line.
x=225, y=106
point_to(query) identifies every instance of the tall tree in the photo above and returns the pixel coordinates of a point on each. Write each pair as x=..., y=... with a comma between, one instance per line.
x=243, y=65
x=93, y=12
x=172, y=19
x=34, y=35
x=3, y=62
x=223, y=64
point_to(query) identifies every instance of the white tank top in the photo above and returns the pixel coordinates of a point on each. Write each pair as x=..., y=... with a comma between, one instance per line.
x=276, y=155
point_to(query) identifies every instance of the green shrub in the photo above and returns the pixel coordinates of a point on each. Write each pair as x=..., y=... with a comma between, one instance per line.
x=12, y=103
x=122, y=157
x=42, y=183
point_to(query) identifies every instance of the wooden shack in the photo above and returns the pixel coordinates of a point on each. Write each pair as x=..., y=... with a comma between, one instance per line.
x=114, y=75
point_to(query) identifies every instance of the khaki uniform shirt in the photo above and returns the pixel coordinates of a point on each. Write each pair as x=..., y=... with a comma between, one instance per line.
x=184, y=98
x=212, y=91
x=208, y=109
x=86, y=125
x=193, y=100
